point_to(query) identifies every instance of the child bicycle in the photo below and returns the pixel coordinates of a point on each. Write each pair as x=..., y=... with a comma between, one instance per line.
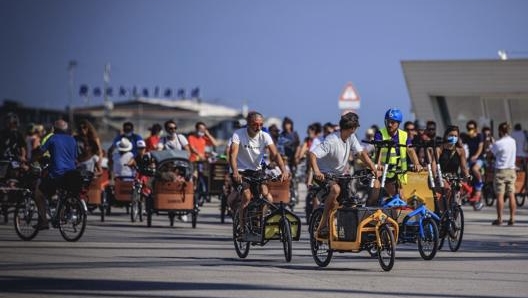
x=353, y=228
x=263, y=220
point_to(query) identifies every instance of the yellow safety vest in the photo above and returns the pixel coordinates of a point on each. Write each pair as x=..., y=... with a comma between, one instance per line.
x=400, y=161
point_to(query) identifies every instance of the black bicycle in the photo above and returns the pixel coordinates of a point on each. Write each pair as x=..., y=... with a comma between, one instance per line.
x=263, y=220
x=66, y=211
x=452, y=218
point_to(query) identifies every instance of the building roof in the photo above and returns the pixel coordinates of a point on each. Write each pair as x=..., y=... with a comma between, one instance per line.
x=454, y=91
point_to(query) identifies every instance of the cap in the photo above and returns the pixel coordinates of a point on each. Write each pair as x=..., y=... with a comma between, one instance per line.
x=141, y=144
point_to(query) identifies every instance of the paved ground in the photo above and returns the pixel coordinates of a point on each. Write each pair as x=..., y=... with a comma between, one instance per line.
x=120, y=259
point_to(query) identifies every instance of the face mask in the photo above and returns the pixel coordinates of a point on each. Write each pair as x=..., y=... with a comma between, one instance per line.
x=452, y=140
x=174, y=135
x=201, y=133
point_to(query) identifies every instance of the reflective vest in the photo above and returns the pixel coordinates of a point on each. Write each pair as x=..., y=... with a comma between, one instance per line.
x=399, y=162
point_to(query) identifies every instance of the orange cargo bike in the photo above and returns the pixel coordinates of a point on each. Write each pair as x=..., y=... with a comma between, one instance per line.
x=172, y=187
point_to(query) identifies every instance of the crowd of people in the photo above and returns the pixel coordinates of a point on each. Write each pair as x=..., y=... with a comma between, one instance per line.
x=326, y=148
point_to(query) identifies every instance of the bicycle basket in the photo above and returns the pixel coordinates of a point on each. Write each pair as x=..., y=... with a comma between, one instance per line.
x=346, y=222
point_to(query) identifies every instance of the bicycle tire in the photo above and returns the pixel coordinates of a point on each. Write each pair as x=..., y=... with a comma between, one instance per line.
x=519, y=199
x=286, y=239
x=457, y=229
x=386, y=253
x=321, y=252
x=489, y=195
x=72, y=219
x=241, y=247
x=25, y=219
x=134, y=206
x=428, y=244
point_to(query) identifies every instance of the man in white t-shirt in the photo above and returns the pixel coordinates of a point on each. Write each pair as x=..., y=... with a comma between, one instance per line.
x=504, y=151
x=248, y=146
x=173, y=140
x=331, y=156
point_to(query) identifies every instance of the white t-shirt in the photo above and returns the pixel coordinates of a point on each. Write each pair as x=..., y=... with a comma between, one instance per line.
x=504, y=151
x=316, y=142
x=520, y=140
x=332, y=154
x=89, y=164
x=120, y=168
x=251, y=150
x=177, y=143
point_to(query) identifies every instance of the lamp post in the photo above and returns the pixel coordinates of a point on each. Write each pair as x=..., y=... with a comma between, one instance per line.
x=108, y=105
x=71, y=71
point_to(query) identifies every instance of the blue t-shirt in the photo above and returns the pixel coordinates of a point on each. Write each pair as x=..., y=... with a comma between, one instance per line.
x=473, y=144
x=63, y=151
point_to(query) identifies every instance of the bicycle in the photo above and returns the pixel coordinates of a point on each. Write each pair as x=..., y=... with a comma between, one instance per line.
x=452, y=219
x=353, y=228
x=66, y=211
x=201, y=192
x=419, y=224
x=263, y=220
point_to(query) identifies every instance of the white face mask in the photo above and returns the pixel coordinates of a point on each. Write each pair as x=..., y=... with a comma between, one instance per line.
x=174, y=135
x=201, y=133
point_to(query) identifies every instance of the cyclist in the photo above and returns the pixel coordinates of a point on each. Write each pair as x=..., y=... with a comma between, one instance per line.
x=12, y=142
x=63, y=156
x=173, y=140
x=331, y=156
x=247, y=151
x=128, y=132
x=398, y=155
x=475, y=144
x=451, y=156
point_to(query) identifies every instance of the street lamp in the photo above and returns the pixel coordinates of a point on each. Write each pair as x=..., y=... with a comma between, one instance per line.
x=71, y=67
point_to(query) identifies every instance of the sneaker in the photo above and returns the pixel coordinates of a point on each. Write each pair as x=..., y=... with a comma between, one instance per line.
x=323, y=232
x=478, y=206
x=183, y=218
x=510, y=222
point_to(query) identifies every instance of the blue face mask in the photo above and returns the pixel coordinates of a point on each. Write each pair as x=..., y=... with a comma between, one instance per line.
x=452, y=140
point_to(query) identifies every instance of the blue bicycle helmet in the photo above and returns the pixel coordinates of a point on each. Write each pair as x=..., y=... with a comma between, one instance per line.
x=394, y=115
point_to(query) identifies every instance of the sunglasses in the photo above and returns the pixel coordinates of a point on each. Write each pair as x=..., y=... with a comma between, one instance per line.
x=172, y=128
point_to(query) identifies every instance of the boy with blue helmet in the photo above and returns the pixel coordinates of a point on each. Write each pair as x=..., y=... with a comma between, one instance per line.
x=398, y=155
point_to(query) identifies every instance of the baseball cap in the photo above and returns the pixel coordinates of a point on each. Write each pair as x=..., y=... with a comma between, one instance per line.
x=141, y=144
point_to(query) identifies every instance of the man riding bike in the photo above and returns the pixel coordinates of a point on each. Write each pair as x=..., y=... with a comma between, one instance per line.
x=247, y=151
x=331, y=156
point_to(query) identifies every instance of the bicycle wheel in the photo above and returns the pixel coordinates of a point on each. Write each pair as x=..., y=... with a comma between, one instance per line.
x=428, y=242
x=520, y=198
x=386, y=253
x=134, y=206
x=456, y=231
x=321, y=252
x=26, y=217
x=72, y=219
x=241, y=247
x=223, y=207
x=489, y=195
x=286, y=239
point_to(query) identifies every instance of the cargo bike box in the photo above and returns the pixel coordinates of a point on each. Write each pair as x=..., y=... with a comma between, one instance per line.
x=172, y=186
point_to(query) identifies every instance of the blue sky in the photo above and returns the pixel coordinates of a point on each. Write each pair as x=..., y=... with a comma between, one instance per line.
x=283, y=57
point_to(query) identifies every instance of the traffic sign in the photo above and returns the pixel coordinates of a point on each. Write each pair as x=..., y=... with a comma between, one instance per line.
x=349, y=98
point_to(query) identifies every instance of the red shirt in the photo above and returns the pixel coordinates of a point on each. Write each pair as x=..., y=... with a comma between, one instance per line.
x=198, y=143
x=152, y=142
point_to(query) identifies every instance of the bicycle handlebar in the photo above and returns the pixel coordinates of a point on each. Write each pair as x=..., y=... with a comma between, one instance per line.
x=384, y=143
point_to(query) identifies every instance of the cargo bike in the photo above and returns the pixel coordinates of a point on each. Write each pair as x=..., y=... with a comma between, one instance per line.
x=172, y=189
x=353, y=227
x=415, y=211
x=264, y=221
x=95, y=195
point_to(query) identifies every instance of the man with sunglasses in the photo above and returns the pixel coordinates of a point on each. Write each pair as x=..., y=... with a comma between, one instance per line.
x=173, y=140
x=128, y=133
x=475, y=143
x=248, y=146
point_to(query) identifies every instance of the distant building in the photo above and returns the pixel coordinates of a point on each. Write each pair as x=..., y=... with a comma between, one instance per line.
x=453, y=92
x=144, y=112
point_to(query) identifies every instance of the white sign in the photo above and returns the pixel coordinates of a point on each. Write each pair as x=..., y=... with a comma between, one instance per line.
x=349, y=99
